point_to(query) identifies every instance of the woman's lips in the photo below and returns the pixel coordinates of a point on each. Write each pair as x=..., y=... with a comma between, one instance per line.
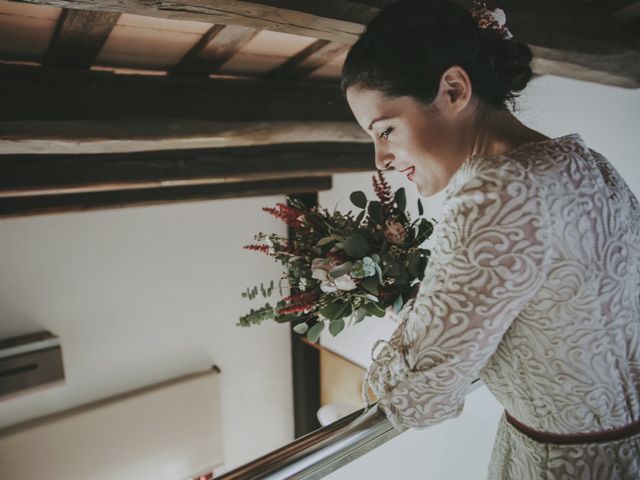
x=411, y=171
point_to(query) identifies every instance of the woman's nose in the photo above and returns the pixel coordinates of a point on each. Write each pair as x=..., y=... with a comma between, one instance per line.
x=383, y=158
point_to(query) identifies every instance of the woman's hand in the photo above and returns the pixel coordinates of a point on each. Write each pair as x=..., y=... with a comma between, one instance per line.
x=409, y=300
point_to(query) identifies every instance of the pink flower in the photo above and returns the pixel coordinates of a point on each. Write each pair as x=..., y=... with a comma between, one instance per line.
x=395, y=233
x=320, y=268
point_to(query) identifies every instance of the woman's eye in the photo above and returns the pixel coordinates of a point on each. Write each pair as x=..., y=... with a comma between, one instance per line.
x=386, y=133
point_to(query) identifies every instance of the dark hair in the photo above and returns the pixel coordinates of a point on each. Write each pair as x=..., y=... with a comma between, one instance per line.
x=411, y=43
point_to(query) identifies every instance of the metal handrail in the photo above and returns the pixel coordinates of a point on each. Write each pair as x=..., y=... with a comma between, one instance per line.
x=323, y=451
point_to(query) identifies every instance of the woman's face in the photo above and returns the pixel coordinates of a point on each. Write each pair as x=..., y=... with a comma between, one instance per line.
x=419, y=141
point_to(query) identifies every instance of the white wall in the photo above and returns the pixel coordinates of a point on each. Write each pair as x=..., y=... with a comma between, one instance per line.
x=608, y=119
x=141, y=295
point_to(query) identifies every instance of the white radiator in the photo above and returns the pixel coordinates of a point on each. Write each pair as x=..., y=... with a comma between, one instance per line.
x=167, y=431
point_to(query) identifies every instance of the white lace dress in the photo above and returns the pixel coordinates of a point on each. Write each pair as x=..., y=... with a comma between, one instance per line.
x=533, y=285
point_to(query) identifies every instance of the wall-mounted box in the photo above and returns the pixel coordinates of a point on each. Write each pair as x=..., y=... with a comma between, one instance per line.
x=29, y=361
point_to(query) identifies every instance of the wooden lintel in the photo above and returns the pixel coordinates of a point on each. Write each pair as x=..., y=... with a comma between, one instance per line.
x=30, y=93
x=564, y=28
x=144, y=134
x=79, y=37
x=35, y=175
x=78, y=202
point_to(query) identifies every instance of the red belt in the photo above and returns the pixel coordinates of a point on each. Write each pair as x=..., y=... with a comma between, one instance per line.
x=563, y=439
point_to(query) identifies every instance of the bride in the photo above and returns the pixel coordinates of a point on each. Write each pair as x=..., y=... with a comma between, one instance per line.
x=533, y=283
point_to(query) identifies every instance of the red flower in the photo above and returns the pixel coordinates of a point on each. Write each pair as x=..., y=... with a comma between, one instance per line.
x=382, y=189
x=298, y=302
x=259, y=248
x=289, y=215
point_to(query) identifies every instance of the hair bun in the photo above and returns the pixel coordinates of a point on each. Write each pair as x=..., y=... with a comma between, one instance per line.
x=513, y=64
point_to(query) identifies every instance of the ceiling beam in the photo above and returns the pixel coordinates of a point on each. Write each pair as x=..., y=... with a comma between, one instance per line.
x=77, y=202
x=215, y=47
x=36, y=175
x=309, y=59
x=42, y=94
x=79, y=37
x=556, y=29
x=144, y=134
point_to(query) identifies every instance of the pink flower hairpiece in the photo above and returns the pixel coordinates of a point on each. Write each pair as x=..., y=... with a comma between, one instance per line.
x=491, y=18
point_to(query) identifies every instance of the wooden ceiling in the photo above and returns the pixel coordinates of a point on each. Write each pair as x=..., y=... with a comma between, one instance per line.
x=90, y=89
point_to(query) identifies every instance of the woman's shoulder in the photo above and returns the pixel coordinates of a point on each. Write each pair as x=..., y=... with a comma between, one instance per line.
x=524, y=164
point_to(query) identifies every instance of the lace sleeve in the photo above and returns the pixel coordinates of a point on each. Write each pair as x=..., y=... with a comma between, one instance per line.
x=487, y=262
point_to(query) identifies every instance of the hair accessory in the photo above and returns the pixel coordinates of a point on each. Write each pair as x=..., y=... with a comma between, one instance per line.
x=491, y=18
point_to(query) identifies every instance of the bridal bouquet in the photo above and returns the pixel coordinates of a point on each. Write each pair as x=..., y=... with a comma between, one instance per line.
x=342, y=267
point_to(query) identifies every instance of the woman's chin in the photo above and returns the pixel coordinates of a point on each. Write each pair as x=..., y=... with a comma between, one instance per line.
x=425, y=190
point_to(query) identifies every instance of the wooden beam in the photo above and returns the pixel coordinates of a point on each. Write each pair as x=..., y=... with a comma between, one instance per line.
x=33, y=175
x=77, y=202
x=79, y=37
x=42, y=94
x=558, y=29
x=215, y=47
x=316, y=55
x=141, y=134
x=313, y=19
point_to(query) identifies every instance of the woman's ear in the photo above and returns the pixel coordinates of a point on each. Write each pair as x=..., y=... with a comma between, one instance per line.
x=454, y=92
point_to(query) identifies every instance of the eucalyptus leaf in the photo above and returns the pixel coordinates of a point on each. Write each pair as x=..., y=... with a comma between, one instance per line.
x=401, y=199
x=379, y=270
x=301, y=328
x=325, y=240
x=314, y=332
x=370, y=284
x=359, y=199
x=360, y=217
x=397, y=304
x=340, y=270
x=420, y=208
x=373, y=298
x=359, y=315
x=373, y=309
x=287, y=317
x=334, y=310
x=336, y=327
x=356, y=246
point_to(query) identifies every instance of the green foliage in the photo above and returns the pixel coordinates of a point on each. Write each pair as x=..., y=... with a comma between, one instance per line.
x=401, y=199
x=335, y=310
x=257, y=316
x=340, y=270
x=373, y=309
x=370, y=284
x=301, y=328
x=376, y=212
x=359, y=199
x=336, y=326
x=314, y=332
x=397, y=304
x=253, y=293
x=356, y=246
x=363, y=268
x=359, y=315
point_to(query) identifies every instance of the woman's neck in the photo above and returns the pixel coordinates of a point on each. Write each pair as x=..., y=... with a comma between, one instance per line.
x=497, y=132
